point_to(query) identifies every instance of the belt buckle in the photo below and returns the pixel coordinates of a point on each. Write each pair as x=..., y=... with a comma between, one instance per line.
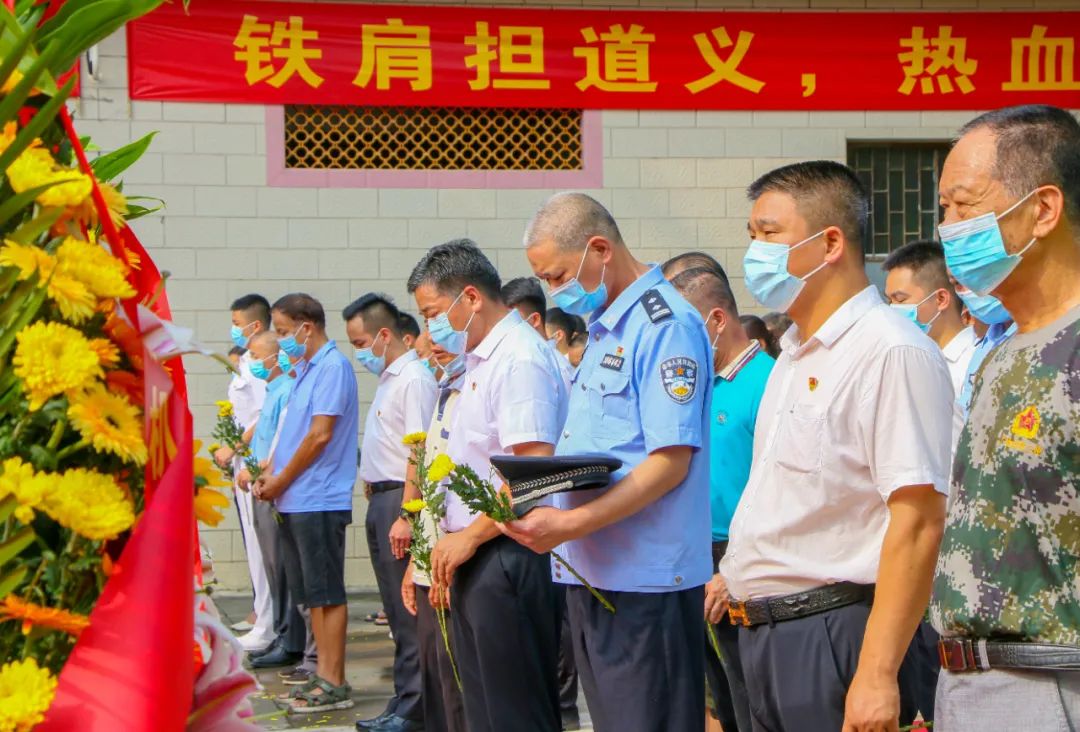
x=737, y=614
x=957, y=655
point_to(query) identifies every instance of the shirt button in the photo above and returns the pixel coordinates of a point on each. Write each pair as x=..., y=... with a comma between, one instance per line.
x=565, y=434
x=596, y=337
x=678, y=579
x=583, y=387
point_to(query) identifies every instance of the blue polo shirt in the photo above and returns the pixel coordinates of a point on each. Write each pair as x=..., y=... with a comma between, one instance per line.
x=325, y=386
x=643, y=385
x=277, y=393
x=995, y=335
x=737, y=391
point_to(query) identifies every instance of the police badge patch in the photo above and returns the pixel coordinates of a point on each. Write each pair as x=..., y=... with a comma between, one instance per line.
x=679, y=375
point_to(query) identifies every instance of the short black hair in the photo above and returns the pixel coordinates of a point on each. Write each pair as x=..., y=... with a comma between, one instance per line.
x=407, y=325
x=756, y=329
x=1036, y=145
x=526, y=293
x=300, y=306
x=561, y=320
x=237, y=351
x=693, y=260
x=826, y=193
x=254, y=306
x=704, y=287
x=453, y=266
x=777, y=323
x=926, y=260
x=378, y=312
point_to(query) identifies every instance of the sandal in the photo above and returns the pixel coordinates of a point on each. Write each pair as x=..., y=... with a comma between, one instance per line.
x=285, y=698
x=331, y=698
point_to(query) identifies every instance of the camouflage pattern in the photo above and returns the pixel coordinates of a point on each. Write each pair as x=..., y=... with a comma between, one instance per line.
x=1008, y=566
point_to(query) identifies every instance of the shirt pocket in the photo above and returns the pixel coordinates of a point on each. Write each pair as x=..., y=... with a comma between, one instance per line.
x=799, y=445
x=612, y=408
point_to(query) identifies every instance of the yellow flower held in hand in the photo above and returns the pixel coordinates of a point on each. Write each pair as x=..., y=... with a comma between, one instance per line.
x=52, y=358
x=416, y=505
x=109, y=422
x=224, y=409
x=440, y=467
x=26, y=691
x=414, y=438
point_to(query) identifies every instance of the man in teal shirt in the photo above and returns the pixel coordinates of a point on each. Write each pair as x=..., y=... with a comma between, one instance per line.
x=741, y=370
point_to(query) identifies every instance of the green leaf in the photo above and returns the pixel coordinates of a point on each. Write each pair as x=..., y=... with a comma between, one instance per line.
x=11, y=580
x=79, y=25
x=29, y=231
x=20, y=201
x=14, y=546
x=108, y=166
x=39, y=122
x=137, y=212
x=14, y=100
x=14, y=53
x=30, y=308
x=7, y=507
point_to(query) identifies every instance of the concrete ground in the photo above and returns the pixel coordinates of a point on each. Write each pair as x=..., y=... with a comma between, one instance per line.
x=369, y=657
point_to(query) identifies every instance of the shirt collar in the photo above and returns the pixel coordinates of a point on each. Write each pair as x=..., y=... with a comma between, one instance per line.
x=960, y=342
x=281, y=382
x=729, y=372
x=319, y=356
x=615, y=312
x=399, y=364
x=494, y=337
x=837, y=324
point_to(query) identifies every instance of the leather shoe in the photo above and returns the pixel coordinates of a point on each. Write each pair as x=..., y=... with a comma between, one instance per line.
x=366, y=724
x=394, y=723
x=252, y=655
x=275, y=658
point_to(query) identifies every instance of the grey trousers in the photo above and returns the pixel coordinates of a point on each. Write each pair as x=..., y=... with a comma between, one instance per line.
x=1008, y=699
x=641, y=667
x=383, y=510
x=444, y=710
x=289, y=626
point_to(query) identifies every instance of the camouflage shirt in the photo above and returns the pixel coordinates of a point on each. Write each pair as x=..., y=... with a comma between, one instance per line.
x=1009, y=561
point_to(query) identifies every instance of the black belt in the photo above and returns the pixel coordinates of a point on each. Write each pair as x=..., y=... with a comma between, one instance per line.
x=798, y=605
x=382, y=486
x=965, y=654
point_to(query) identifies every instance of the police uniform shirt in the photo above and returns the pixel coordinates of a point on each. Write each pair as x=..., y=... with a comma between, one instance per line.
x=512, y=394
x=859, y=410
x=404, y=401
x=643, y=385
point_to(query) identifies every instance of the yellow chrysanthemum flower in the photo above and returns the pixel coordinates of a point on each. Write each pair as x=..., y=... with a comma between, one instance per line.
x=416, y=505
x=26, y=691
x=224, y=409
x=440, y=467
x=87, y=213
x=35, y=167
x=28, y=488
x=71, y=295
x=207, y=503
x=108, y=353
x=414, y=438
x=53, y=358
x=102, y=273
x=90, y=504
x=109, y=422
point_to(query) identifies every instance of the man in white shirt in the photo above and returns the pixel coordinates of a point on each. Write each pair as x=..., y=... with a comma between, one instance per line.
x=403, y=403
x=525, y=295
x=250, y=316
x=513, y=401
x=833, y=544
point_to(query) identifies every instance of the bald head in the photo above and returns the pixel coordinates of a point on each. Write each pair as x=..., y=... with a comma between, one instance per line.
x=263, y=345
x=570, y=220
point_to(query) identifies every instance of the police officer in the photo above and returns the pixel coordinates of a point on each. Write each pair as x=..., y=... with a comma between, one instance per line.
x=640, y=395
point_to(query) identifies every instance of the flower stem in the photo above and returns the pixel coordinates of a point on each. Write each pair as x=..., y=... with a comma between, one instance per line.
x=440, y=613
x=74, y=447
x=603, y=600
x=57, y=433
x=713, y=641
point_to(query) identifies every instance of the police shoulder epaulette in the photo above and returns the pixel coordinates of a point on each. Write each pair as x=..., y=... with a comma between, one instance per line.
x=655, y=305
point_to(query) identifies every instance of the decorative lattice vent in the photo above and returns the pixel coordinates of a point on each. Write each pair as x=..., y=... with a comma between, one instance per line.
x=432, y=138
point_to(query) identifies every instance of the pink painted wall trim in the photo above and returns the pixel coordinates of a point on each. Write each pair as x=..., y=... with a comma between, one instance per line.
x=591, y=175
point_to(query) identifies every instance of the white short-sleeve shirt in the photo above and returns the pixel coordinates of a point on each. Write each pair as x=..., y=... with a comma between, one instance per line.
x=958, y=353
x=861, y=409
x=403, y=403
x=246, y=393
x=512, y=393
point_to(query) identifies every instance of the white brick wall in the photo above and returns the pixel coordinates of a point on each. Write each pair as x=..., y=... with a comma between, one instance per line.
x=674, y=180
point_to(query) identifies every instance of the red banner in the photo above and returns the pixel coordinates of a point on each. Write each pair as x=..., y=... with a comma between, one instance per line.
x=304, y=53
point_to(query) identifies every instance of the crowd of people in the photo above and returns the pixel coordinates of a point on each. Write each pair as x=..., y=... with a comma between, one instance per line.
x=871, y=498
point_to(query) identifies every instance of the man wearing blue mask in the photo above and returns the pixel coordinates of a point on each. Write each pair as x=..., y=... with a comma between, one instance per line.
x=512, y=402
x=832, y=546
x=1006, y=596
x=640, y=395
x=310, y=480
x=403, y=402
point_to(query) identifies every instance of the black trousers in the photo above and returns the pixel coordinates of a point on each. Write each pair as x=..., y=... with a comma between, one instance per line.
x=444, y=710
x=798, y=671
x=642, y=666
x=506, y=639
x=383, y=509
x=927, y=668
x=568, y=675
x=725, y=675
x=288, y=622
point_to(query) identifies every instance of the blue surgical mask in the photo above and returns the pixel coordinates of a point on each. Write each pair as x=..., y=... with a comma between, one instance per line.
x=985, y=308
x=443, y=333
x=368, y=359
x=290, y=346
x=975, y=252
x=283, y=362
x=452, y=370
x=765, y=268
x=430, y=365
x=572, y=298
x=238, y=337
x=911, y=312
x=259, y=371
